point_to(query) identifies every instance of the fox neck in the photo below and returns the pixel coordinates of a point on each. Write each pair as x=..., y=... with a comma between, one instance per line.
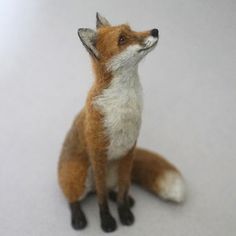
x=126, y=76
x=102, y=76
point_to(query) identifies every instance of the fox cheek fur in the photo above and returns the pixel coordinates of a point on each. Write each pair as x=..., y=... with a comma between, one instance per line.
x=99, y=153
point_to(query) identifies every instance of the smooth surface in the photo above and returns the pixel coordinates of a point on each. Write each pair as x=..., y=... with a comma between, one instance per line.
x=189, y=86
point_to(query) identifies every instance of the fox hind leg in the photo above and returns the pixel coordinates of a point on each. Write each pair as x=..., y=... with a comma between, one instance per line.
x=78, y=219
x=72, y=178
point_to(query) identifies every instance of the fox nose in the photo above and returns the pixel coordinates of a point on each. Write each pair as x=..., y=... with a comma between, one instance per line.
x=155, y=33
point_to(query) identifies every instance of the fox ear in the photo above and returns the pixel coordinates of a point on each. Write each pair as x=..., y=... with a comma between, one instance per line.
x=101, y=21
x=88, y=38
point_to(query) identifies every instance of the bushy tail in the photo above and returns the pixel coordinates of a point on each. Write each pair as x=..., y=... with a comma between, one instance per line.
x=154, y=173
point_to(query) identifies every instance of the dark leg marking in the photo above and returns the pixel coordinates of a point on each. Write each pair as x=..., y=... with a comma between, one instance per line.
x=113, y=197
x=78, y=219
x=125, y=214
x=108, y=223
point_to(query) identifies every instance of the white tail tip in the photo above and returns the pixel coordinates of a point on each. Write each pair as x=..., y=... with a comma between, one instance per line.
x=172, y=187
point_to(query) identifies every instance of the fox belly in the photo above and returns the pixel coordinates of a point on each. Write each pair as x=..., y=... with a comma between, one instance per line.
x=111, y=179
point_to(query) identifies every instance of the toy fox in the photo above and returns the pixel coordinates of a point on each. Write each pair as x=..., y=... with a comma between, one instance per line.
x=99, y=153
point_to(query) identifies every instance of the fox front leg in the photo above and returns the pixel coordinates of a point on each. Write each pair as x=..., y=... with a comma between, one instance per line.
x=124, y=179
x=108, y=222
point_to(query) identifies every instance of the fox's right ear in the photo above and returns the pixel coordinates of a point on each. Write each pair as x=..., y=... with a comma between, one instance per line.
x=101, y=21
x=88, y=38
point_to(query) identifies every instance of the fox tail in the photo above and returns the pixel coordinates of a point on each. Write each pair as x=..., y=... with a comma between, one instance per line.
x=157, y=175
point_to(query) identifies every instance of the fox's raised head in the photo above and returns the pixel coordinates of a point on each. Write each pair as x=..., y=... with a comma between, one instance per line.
x=117, y=46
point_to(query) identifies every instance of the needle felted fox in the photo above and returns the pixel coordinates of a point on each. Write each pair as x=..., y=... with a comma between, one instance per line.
x=99, y=153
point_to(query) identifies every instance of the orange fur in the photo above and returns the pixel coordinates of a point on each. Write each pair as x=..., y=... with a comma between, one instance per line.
x=149, y=168
x=109, y=36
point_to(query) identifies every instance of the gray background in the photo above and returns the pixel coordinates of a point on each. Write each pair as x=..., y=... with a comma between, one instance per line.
x=189, y=116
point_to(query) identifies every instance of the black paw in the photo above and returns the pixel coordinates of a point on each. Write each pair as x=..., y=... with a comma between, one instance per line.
x=126, y=216
x=108, y=223
x=131, y=201
x=113, y=197
x=78, y=219
x=79, y=222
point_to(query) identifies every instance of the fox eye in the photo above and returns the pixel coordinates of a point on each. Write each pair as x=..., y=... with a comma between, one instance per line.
x=122, y=40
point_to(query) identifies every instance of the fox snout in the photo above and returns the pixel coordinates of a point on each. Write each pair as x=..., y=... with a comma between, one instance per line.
x=150, y=41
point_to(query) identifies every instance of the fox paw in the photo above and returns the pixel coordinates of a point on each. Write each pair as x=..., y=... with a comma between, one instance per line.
x=108, y=223
x=126, y=216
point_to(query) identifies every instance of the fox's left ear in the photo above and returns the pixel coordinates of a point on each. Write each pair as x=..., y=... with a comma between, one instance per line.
x=88, y=38
x=101, y=21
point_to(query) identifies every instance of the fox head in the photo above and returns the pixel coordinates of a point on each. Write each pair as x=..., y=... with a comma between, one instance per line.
x=119, y=46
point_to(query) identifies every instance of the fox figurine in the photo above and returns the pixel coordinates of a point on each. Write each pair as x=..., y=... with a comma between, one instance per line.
x=99, y=153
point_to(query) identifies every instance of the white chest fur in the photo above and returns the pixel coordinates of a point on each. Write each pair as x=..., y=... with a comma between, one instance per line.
x=121, y=105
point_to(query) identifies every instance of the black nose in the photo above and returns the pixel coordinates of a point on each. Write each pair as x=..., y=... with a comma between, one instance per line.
x=155, y=33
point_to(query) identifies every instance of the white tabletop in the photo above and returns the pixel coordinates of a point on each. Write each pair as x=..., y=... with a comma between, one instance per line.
x=189, y=115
